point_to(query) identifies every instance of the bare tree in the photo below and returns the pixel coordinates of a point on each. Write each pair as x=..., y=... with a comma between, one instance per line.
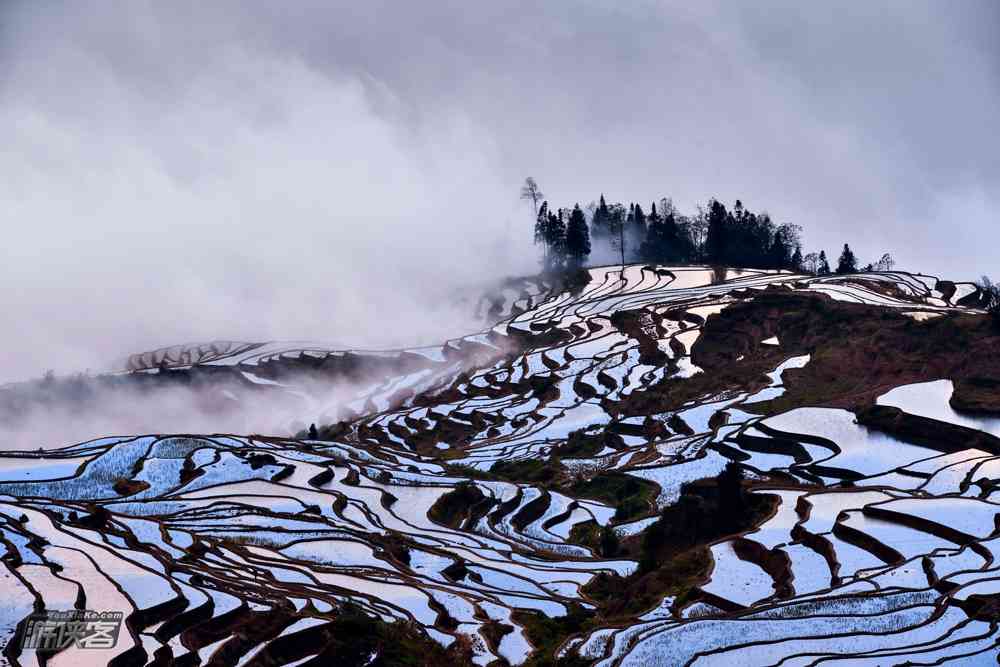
x=532, y=192
x=810, y=263
x=697, y=226
x=885, y=263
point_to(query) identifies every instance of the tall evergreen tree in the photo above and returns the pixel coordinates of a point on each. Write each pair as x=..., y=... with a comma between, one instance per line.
x=636, y=232
x=779, y=254
x=784, y=244
x=617, y=218
x=716, y=241
x=555, y=239
x=847, y=263
x=654, y=216
x=640, y=217
x=676, y=247
x=577, y=238
x=714, y=235
x=653, y=248
x=824, y=266
x=797, y=259
x=600, y=225
x=541, y=227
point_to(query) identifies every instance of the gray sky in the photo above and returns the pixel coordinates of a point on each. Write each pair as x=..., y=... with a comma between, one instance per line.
x=175, y=172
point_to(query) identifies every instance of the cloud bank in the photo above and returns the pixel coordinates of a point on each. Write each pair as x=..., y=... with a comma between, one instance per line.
x=188, y=171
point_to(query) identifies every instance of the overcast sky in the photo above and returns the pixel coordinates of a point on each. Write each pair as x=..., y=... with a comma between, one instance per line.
x=182, y=171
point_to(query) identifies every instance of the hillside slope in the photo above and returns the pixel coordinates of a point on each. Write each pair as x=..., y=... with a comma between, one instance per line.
x=670, y=465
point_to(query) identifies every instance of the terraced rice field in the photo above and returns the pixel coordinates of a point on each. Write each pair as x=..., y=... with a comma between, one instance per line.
x=235, y=549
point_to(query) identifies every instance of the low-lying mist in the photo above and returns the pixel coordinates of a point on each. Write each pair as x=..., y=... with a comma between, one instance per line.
x=279, y=397
x=245, y=196
x=127, y=410
x=193, y=171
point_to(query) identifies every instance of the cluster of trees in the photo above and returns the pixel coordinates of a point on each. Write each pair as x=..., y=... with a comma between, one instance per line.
x=564, y=236
x=741, y=237
x=714, y=235
x=989, y=298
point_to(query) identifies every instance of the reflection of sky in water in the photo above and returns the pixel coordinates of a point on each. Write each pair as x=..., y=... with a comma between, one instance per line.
x=865, y=451
x=20, y=470
x=931, y=399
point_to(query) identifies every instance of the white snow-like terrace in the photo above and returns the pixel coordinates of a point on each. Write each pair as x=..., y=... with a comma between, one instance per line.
x=879, y=539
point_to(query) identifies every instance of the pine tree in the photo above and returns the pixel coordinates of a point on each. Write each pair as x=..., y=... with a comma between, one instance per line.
x=616, y=226
x=555, y=240
x=577, y=238
x=541, y=227
x=652, y=248
x=778, y=254
x=716, y=242
x=672, y=251
x=715, y=235
x=847, y=263
x=640, y=218
x=791, y=240
x=600, y=224
x=824, y=266
x=797, y=259
x=636, y=230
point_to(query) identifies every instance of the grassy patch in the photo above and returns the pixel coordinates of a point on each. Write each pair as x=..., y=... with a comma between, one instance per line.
x=454, y=507
x=547, y=633
x=530, y=471
x=672, y=554
x=357, y=637
x=585, y=533
x=580, y=444
x=630, y=496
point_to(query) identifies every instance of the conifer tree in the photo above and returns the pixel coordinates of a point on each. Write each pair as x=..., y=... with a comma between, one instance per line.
x=847, y=263
x=555, y=240
x=600, y=224
x=716, y=241
x=714, y=235
x=824, y=266
x=636, y=232
x=652, y=248
x=778, y=255
x=577, y=238
x=616, y=226
x=541, y=233
x=797, y=259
